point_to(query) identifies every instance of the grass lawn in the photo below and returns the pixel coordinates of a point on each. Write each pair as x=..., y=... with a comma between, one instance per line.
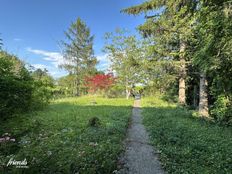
x=187, y=144
x=59, y=139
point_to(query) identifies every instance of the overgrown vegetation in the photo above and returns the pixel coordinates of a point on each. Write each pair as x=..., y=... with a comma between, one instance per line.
x=21, y=90
x=72, y=135
x=193, y=37
x=187, y=144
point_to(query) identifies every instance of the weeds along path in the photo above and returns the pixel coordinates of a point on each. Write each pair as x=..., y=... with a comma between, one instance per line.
x=139, y=156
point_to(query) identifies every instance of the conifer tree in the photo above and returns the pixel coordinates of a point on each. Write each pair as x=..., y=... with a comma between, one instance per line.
x=212, y=53
x=78, y=54
x=170, y=27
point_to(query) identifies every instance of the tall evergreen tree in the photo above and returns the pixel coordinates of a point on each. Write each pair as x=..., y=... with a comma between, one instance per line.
x=202, y=28
x=78, y=54
x=212, y=53
x=170, y=28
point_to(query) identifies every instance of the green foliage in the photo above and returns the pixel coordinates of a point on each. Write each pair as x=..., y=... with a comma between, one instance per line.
x=205, y=28
x=78, y=54
x=212, y=53
x=15, y=86
x=43, y=88
x=222, y=110
x=20, y=90
x=187, y=144
x=126, y=54
x=168, y=26
x=59, y=140
x=64, y=87
x=115, y=91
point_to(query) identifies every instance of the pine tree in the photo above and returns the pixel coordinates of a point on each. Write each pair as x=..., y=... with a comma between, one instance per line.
x=213, y=51
x=78, y=54
x=170, y=27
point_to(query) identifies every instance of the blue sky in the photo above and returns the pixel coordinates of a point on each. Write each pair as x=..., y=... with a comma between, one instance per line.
x=31, y=29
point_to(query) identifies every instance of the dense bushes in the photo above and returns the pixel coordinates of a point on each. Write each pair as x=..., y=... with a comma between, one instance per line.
x=43, y=87
x=15, y=86
x=19, y=91
x=222, y=110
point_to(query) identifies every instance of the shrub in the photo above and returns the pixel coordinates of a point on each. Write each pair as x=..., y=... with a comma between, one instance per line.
x=221, y=110
x=15, y=86
x=115, y=91
x=19, y=90
x=43, y=87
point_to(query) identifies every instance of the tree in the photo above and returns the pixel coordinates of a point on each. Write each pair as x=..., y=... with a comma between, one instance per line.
x=100, y=82
x=43, y=85
x=78, y=54
x=198, y=33
x=65, y=86
x=170, y=27
x=213, y=49
x=125, y=54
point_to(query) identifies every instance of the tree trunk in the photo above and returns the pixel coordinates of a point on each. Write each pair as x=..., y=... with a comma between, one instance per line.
x=203, y=98
x=76, y=87
x=182, y=97
x=128, y=93
x=195, y=96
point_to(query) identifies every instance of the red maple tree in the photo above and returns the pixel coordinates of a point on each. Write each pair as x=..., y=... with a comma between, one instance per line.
x=99, y=82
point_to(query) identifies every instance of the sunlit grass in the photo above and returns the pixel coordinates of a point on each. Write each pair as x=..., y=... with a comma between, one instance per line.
x=60, y=140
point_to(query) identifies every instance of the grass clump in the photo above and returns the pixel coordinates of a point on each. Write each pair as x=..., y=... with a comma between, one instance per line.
x=187, y=144
x=94, y=122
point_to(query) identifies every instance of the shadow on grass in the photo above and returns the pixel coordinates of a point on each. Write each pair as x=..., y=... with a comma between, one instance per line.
x=59, y=139
x=188, y=144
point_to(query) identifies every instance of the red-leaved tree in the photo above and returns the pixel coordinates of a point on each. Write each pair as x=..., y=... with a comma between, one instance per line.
x=99, y=82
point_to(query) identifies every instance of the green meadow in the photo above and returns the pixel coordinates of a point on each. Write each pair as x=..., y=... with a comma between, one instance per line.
x=86, y=135
x=186, y=143
x=72, y=135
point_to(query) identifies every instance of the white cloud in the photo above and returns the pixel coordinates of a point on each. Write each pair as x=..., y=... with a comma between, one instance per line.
x=102, y=57
x=55, y=72
x=17, y=39
x=40, y=66
x=104, y=62
x=55, y=58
